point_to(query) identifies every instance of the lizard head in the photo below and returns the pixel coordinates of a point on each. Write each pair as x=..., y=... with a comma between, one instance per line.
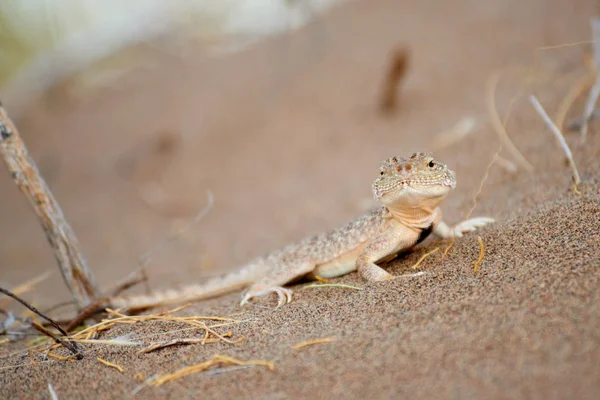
x=417, y=177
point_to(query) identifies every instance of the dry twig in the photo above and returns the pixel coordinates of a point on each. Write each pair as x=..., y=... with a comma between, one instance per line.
x=71, y=346
x=72, y=263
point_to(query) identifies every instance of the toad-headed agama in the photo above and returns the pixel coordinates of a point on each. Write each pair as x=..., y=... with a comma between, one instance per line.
x=410, y=191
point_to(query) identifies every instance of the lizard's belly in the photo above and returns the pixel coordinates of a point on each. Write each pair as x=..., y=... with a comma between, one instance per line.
x=339, y=266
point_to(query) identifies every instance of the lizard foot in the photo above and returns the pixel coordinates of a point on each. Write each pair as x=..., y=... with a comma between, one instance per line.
x=471, y=225
x=284, y=295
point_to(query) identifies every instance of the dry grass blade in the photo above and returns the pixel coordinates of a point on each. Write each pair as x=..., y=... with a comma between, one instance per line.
x=109, y=364
x=559, y=136
x=60, y=358
x=485, y=177
x=175, y=342
x=216, y=360
x=499, y=126
x=423, y=257
x=26, y=286
x=313, y=341
x=340, y=285
x=145, y=258
x=481, y=254
x=508, y=165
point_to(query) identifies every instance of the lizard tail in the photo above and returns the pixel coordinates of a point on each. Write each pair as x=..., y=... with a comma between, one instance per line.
x=214, y=287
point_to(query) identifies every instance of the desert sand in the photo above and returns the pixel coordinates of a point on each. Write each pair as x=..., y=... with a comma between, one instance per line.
x=287, y=136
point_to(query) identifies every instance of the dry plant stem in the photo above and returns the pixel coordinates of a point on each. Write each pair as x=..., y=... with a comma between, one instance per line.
x=109, y=364
x=99, y=305
x=424, y=256
x=26, y=286
x=559, y=136
x=72, y=263
x=145, y=258
x=589, y=108
x=215, y=360
x=129, y=281
x=86, y=313
x=485, y=177
x=340, y=285
x=481, y=254
x=499, y=126
x=311, y=342
x=394, y=76
x=580, y=86
x=175, y=342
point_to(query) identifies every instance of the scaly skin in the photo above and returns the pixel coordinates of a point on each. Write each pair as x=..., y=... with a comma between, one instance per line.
x=410, y=191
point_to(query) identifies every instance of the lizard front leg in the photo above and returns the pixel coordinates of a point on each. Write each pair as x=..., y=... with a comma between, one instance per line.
x=445, y=232
x=279, y=275
x=388, y=243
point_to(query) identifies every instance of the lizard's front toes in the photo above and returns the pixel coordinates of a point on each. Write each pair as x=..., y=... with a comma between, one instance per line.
x=284, y=296
x=471, y=225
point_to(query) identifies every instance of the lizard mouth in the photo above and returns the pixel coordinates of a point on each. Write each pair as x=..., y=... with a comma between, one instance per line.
x=380, y=191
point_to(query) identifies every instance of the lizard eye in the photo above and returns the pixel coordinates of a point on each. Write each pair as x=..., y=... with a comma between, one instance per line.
x=431, y=164
x=381, y=173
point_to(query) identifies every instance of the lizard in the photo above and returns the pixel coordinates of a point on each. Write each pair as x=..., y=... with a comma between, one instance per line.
x=410, y=191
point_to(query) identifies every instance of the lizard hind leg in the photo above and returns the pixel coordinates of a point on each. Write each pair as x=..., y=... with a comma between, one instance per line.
x=279, y=275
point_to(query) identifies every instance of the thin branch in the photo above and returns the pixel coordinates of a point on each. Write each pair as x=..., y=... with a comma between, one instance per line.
x=72, y=263
x=561, y=139
x=71, y=346
x=32, y=308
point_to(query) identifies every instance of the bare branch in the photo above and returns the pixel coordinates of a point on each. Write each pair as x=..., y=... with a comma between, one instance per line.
x=72, y=263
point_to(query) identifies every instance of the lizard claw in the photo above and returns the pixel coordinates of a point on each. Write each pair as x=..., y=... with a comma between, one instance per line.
x=471, y=225
x=284, y=296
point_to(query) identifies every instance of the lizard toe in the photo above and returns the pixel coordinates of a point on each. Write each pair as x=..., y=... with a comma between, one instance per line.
x=284, y=296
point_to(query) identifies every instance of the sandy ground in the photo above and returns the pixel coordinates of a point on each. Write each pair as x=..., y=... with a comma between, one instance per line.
x=288, y=138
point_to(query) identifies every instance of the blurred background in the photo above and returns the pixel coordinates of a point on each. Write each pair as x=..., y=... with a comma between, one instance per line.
x=140, y=114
